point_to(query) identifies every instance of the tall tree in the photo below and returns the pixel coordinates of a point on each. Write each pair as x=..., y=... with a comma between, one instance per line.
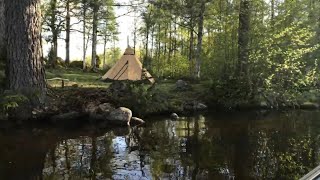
x=200, y=35
x=95, y=8
x=243, y=38
x=54, y=31
x=2, y=30
x=53, y=24
x=68, y=30
x=84, y=22
x=25, y=72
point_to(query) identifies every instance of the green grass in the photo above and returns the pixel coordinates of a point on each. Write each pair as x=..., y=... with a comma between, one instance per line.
x=83, y=79
x=75, y=76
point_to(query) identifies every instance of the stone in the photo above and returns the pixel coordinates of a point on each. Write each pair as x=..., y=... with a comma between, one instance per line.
x=136, y=121
x=105, y=108
x=120, y=116
x=66, y=116
x=201, y=106
x=91, y=108
x=174, y=116
x=182, y=85
x=194, y=106
x=309, y=105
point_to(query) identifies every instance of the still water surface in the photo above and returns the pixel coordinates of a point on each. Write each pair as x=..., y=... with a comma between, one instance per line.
x=253, y=145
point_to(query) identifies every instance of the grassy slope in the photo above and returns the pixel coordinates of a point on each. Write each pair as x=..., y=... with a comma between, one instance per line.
x=82, y=79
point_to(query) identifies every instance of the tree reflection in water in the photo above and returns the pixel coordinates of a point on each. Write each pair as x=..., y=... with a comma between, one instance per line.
x=224, y=146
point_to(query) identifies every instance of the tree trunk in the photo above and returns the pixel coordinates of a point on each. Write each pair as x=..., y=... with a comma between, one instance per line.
x=147, y=40
x=25, y=72
x=84, y=2
x=67, y=60
x=2, y=32
x=175, y=37
x=135, y=36
x=94, y=35
x=54, y=48
x=191, y=40
x=199, y=45
x=104, y=52
x=165, y=40
x=170, y=42
x=243, y=38
x=152, y=41
x=158, y=49
x=190, y=57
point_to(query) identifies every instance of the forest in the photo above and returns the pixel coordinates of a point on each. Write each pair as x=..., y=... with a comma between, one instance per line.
x=206, y=89
x=233, y=54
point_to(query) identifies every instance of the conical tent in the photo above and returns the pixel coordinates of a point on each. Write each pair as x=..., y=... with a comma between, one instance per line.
x=128, y=68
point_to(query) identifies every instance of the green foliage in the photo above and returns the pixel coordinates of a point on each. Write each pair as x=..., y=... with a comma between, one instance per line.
x=143, y=99
x=290, y=161
x=283, y=47
x=230, y=92
x=10, y=100
x=76, y=64
x=281, y=66
x=177, y=67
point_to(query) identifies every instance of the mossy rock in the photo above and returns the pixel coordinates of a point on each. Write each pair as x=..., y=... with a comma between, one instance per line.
x=309, y=105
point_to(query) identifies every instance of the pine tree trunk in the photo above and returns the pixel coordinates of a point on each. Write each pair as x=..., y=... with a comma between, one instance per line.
x=243, y=38
x=175, y=37
x=2, y=32
x=199, y=45
x=135, y=36
x=191, y=40
x=158, y=49
x=54, y=48
x=84, y=35
x=25, y=72
x=170, y=43
x=104, y=52
x=94, y=35
x=152, y=41
x=67, y=60
x=191, y=47
x=147, y=41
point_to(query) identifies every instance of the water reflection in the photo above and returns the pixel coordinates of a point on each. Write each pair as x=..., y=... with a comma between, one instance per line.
x=221, y=146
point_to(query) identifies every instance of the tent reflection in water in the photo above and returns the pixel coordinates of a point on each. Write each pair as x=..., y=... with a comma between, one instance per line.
x=128, y=68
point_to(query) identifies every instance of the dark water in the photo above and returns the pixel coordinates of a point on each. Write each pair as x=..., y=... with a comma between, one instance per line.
x=251, y=145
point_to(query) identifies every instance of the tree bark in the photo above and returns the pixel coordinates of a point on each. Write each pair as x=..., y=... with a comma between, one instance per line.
x=2, y=32
x=94, y=35
x=243, y=38
x=25, y=72
x=104, y=52
x=200, y=35
x=84, y=2
x=54, y=31
x=191, y=47
x=147, y=37
x=67, y=60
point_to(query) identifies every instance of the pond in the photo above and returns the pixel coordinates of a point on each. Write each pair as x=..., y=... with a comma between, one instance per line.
x=250, y=145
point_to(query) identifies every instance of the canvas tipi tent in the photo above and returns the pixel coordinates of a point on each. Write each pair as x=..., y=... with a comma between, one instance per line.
x=128, y=68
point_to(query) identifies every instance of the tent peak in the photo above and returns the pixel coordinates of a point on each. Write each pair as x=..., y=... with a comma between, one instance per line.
x=129, y=51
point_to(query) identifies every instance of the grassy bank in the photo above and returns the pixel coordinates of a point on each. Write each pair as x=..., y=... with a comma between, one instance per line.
x=165, y=97
x=81, y=88
x=75, y=77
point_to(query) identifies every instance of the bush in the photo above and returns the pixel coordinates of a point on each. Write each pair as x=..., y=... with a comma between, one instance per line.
x=76, y=64
x=141, y=99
